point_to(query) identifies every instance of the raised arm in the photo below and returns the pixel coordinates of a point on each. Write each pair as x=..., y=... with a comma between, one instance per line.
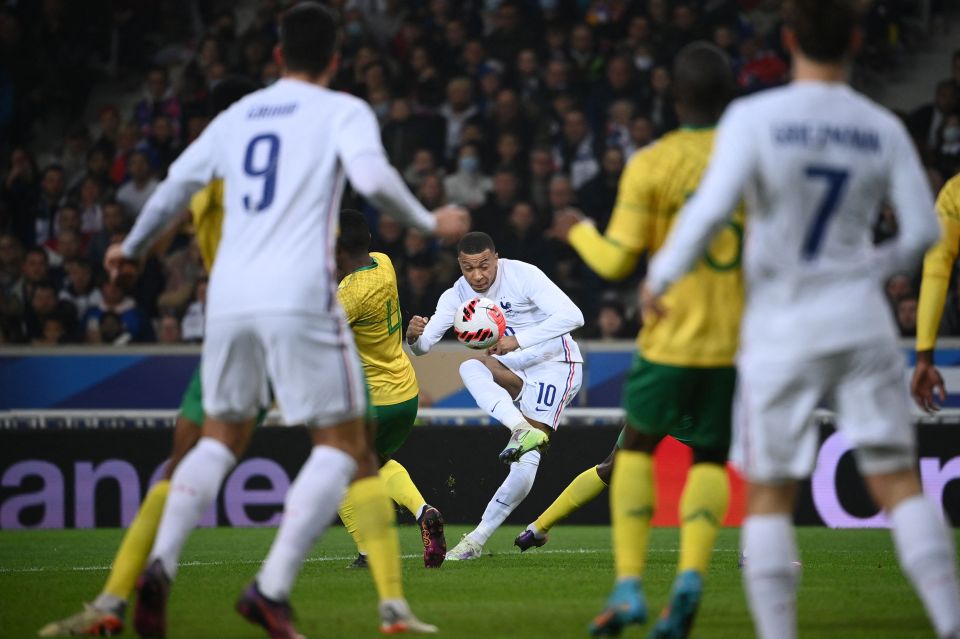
x=423, y=333
x=731, y=163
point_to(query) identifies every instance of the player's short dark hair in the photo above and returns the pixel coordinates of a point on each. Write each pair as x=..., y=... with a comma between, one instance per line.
x=308, y=37
x=228, y=91
x=354, y=237
x=703, y=79
x=823, y=27
x=475, y=242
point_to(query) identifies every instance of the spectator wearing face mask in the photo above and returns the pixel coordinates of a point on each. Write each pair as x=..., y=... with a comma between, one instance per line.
x=468, y=186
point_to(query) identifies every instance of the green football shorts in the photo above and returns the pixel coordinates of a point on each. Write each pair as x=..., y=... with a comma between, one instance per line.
x=693, y=405
x=394, y=422
x=191, y=406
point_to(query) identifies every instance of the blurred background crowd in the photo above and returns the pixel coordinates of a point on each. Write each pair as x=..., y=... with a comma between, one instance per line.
x=515, y=109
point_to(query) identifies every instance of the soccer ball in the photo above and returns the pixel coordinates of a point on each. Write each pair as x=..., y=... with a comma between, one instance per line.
x=479, y=323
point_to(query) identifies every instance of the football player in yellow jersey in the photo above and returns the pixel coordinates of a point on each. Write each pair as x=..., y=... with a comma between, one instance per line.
x=368, y=294
x=682, y=379
x=104, y=616
x=927, y=384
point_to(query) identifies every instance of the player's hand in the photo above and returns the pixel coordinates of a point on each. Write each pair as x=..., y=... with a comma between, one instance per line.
x=415, y=328
x=504, y=345
x=563, y=221
x=122, y=270
x=453, y=222
x=651, y=306
x=927, y=383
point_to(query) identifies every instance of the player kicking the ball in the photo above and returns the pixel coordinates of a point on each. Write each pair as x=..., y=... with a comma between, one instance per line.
x=536, y=363
x=815, y=161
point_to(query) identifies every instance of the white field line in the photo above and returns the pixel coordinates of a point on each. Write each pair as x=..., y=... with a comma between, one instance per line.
x=241, y=562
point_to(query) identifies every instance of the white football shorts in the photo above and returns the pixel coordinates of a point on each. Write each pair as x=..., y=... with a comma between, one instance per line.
x=775, y=437
x=311, y=361
x=547, y=386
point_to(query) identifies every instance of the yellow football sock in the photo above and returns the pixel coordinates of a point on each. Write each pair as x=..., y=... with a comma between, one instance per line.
x=400, y=488
x=631, y=509
x=582, y=490
x=137, y=542
x=378, y=533
x=703, y=506
x=349, y=517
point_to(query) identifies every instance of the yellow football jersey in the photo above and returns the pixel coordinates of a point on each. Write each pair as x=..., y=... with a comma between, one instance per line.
x=369, y=298
x=206, y=207
x=938, y=265
x=702, y=322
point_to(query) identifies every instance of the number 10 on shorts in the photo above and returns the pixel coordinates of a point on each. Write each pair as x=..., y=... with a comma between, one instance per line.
x=546, y=394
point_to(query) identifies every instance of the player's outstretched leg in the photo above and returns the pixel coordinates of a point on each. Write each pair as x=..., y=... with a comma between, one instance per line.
x=581, y=491
x=512, y=491
x=703, y=506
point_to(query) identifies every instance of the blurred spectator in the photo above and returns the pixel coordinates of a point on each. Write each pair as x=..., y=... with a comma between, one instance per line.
x=11, y=260
x=20, y=196
x=611, y=321
x=191, y=327
x=509, y=155
x=88, y=203
x=169, y=330
x=760, y=68
x=491, y=217
x=597, y=196
x=107, y=130
x=587, y=64
x=388, y=237
x=35, y=269
x=541, y=171
x=947, y=152
x=158, y=99
x=53, y=188
x=907, y=316
x=575, y=150
x=431, y=192
x=422, y=165
x=468, y=186
x=115, y=222
x=127, y=141
x=108, y=328
x=45, y=304
x=926, y=121
x=115, y=302
x=135, y=193
x=522, y=239
x=617, y=130
x=161, y=145
x=508, y=117
x=420, y=290
x=659, y=104
x=642, y=133
x=183, y=268
x=54, y=332
x=405, y=133
x=618, y=85
x=456, y=111
x=79, y=289
x=897, y=288
x=560, y=196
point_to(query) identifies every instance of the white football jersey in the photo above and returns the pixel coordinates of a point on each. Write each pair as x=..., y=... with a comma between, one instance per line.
x=815, y=162
x=538, y=313
x=283, y=153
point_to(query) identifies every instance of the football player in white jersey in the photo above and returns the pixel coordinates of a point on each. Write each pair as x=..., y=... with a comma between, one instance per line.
x=814, y=161
x=284, y=153
x=536, y=363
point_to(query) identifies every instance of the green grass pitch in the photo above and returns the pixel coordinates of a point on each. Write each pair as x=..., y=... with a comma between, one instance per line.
x=852, y=586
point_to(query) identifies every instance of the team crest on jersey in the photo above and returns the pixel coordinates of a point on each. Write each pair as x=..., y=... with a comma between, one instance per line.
x=505, y=306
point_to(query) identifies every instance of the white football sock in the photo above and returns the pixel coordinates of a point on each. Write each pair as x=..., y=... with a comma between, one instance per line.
x=309, y=508
x=927, y=556
x=770, y=576
x=193, y=488
x=489, y=395
x=512, y=491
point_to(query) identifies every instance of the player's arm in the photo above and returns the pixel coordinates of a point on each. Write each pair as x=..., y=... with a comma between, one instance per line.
x=917, y=226
x=188, y=174
x=423, y=333
x=564, y=316
x=731, y=163
x=937, y=267
x=614, y=255
x=371, y=174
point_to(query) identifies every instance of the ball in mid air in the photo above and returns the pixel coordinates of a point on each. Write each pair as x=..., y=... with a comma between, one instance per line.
x=479, y=323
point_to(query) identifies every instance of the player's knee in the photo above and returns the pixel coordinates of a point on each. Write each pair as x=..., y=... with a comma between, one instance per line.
x=471, y=367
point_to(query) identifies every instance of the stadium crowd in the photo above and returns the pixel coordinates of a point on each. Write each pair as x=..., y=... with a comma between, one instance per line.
x=514, y=109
